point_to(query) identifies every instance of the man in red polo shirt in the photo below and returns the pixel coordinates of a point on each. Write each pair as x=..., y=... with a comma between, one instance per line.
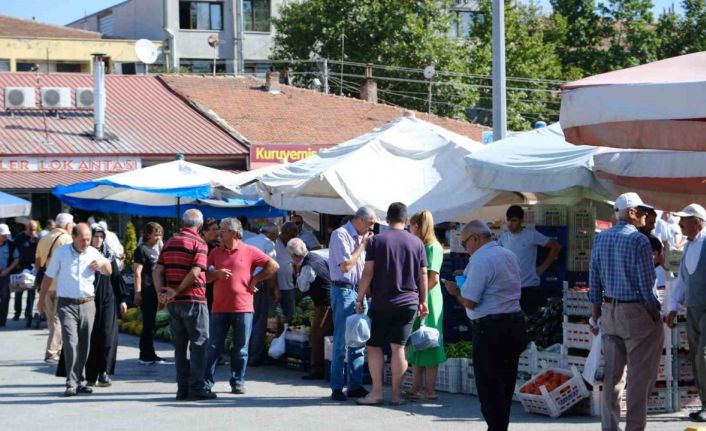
x=180, y=280
x=231, y=268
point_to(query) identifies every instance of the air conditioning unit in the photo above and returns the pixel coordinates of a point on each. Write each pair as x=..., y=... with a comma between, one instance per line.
x=84, y=98
x=56, y=97
x=19, y=98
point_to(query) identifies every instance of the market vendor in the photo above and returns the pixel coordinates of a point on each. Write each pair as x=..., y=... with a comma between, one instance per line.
x=689, y=290
x=312, y=275
x=524, y=242
x=491, y=297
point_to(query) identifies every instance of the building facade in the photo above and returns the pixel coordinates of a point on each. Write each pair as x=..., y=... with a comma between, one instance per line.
x=29, y=46
x=185, y=26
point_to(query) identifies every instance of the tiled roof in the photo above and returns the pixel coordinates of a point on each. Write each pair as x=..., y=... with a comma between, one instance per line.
x=11, y=26
x=143, y=118
x=296, y=116
x=45, y=180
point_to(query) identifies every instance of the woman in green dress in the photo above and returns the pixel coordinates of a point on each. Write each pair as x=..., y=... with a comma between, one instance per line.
x=426, y=362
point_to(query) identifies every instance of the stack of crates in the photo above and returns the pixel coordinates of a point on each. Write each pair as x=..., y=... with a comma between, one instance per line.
x=686, y=393
x=456, y=324
x=582, y=228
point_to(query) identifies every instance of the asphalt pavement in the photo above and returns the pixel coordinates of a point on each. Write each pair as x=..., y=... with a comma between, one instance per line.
x=143, y=398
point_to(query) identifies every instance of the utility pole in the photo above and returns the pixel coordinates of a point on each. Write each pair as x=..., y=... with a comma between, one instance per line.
x=326, y=89
x=343, y=44
x=499, y=85
x=240, y=22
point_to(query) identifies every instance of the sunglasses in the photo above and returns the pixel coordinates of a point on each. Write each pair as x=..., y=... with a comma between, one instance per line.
x=464, y=241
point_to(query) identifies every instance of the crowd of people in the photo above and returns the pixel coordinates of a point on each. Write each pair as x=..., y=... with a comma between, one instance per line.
x=216, y=277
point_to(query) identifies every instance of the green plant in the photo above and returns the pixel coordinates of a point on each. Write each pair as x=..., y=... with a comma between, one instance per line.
x=130, y=242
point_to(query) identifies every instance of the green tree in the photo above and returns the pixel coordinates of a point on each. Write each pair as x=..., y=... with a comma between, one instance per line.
x=397, y=33
x=693, y=26
x=529, y=57
x=577, y=33
x=630, y=29
x=670, y=41
x=130, y=242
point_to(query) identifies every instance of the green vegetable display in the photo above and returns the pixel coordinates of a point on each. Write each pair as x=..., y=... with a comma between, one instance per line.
x=463, y=349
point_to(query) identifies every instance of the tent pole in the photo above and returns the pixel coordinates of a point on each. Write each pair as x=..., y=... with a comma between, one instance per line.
x=178, y=209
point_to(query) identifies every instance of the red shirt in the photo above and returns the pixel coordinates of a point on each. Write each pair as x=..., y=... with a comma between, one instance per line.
x=182, y=252
x=232, y=295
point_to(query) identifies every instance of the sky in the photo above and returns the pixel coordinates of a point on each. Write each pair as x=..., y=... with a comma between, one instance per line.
x=62, y=12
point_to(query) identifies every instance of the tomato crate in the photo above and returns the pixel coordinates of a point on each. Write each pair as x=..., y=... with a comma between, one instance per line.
x=688, y=398
x=659, y=401
x=685, y=368
x=448, y=377
x=577, y=335
x=557, y=401
x=549, y=357
x=576, y=303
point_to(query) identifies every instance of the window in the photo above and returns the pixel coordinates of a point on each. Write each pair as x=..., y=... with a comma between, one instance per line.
x=25, y=67
x=195, y=15
x=256, y=15
x=68, y=67
x=4, y=65
x=202, y=66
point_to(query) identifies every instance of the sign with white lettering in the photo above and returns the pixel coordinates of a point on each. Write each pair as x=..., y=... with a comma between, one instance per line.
x=69, y=164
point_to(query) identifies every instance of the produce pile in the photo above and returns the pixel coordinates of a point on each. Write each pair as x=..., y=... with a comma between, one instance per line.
x=545, y=326
x=462, y=349
x=303, y=312
x=549, y=379
x=131, y=323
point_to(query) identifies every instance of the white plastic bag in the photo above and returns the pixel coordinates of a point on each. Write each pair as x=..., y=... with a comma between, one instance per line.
x=593, y=369
x=357, y=330
x=279, y=345
x=425, y=338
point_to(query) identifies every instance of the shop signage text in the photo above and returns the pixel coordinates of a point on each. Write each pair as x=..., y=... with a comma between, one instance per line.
x=264, y=154
x=69, y=164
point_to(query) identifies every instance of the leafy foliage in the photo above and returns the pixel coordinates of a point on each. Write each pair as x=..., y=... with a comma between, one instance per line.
x=130, y=242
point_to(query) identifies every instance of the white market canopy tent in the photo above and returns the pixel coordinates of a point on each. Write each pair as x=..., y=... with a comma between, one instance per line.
x=408, y=160
x=12, y=206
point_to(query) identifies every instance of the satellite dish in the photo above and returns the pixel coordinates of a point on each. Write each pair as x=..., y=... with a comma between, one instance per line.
x=429, y=72
x=213, y=40
x=146, y=51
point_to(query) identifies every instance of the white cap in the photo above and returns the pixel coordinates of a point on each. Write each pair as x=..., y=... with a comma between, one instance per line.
x=629, y=200
x=4, y=230
x=693, y=210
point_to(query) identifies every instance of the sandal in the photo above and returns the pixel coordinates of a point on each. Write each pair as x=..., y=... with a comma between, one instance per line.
x=397, y=403
x=369, y=401
x=412, y=395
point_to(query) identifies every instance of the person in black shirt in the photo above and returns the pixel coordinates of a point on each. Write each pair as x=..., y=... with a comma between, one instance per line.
x=144, y=261
x=26, y=244
x=210, y=234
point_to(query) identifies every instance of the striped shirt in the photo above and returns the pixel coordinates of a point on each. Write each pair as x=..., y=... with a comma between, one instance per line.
x=622, y=267
x=180, y=254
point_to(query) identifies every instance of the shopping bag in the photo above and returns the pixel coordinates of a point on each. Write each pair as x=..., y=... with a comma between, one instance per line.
x=279, y=345
x=424, y=338
x=593, y=369
x=357, y=330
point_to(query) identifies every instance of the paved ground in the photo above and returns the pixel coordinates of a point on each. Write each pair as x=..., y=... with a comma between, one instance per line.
x=142, y=398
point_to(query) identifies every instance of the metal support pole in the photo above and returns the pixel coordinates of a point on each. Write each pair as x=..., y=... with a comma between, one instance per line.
x=240, y=64
x=430, y=84
x=499, y=91
x=215, y=57
x=343, y=44
x=326, y=88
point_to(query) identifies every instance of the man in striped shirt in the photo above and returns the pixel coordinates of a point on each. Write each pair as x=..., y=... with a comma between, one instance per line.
x=622, y=291
x=180, y=280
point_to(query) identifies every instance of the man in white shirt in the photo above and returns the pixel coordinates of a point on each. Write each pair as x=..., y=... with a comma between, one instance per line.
x=524, y=243
x=690, y=290
x=74, y=266
x=263, y=297
x=285, y=274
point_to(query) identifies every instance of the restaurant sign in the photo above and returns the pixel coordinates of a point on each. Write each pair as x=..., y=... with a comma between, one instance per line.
x=69, y=164
x=268, y=154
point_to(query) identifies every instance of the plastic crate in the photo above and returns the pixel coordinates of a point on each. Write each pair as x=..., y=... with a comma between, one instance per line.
x=688, y=398
x=576, y=303
x=672, y=260
x=578, y=260
x=580, y=241
x=551, y=357
x=296, y=363
x=679, y=336
x=659, y=401
x=684, y=368
x=407, y=380
x=558, y=401
x=577, y=335
x=297, y=336
x=547, y=215
x=468, y=381
x=448, y=377
x=296, y=348
x=328, y=348
x=367, y=379
x=582, y=218
x=528, y=359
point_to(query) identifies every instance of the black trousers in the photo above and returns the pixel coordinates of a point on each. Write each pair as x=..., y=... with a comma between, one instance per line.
x=4, y=299
x=261, y=301
x=149, y=312
x=497, y=345
x=30, y=303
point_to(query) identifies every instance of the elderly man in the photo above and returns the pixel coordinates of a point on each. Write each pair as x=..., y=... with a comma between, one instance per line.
x=395, y=275
x=621, y=289
x=312, y=243
x=74, y=268
x=180, y=279
x=26, y=245
x=345, y=264
x=266, y=290
x=690, y=290
x=285, y=274
x=47, y=297
x=313, y=279
x=524, y=242
x=231, y=267
x=491, y=295
x=9, y=259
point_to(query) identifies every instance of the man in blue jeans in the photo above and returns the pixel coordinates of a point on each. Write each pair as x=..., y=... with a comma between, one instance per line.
x=346, y=261
x=231, y=267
